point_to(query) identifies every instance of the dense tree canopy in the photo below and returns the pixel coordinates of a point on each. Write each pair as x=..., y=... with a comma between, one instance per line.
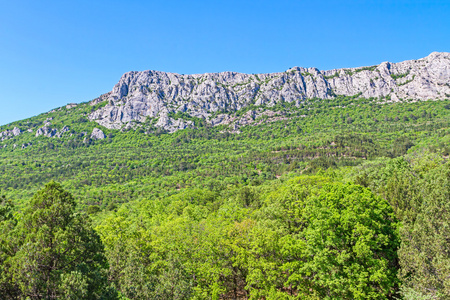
x=342, y=198
x=308, y=237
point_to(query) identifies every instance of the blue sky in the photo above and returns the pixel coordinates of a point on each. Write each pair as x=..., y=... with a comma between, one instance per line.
x=56, y=52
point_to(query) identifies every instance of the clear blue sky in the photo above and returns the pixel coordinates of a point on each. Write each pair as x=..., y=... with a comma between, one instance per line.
x=56, y=52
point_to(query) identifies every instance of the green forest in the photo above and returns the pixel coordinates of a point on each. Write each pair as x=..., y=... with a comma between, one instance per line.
x=345, y=198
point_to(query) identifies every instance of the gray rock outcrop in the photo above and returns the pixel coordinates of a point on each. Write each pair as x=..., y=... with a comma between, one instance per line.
x=70, y=105
x=155, y=94
x=47, y=131
x=16, y=131
x=7, y=134
x=97, y=134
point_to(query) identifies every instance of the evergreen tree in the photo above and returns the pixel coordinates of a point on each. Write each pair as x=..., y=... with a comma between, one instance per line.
x=424, y=253
x=8, y=290
x=53, y=251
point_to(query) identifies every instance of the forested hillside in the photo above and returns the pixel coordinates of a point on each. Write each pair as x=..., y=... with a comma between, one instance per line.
x=132, y=164
x=343, y=198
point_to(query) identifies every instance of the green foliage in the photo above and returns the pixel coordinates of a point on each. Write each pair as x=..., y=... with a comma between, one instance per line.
x=6, y=209
x=133, y=165
x=407, y=81
x=397, y=76
x=52, y=252
x=353, y=242
x=334, y=242
x=256, y=242
x=336, y=74
x=348, y=72
x=424, y=255
x=371, y=69
x=310, y=204
x=417, y=187
x=8, y=289
x=305, y=74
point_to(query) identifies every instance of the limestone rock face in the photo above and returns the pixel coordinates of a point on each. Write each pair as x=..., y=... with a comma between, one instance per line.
x=47, y=131
x=97, y=134
x=16, y=131
x=60, y=133
x=7, y=134
x=154, y=94
x=71, y=105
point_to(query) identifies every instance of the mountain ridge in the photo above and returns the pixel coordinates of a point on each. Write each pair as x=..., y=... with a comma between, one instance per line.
x=154, y=102
x=155, y=94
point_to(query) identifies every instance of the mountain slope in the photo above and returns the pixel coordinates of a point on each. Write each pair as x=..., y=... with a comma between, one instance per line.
x=106, y=166
x=203, y=202
x=156, y=101
x=131, y=164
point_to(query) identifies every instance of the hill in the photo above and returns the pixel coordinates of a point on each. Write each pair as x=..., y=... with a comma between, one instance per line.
x=133, y=157
x=304, y=184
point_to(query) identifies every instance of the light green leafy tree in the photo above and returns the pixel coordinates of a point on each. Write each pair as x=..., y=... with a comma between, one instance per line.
x=324, y=241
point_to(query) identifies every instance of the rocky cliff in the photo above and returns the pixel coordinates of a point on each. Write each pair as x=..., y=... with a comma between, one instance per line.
x=155, y=95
